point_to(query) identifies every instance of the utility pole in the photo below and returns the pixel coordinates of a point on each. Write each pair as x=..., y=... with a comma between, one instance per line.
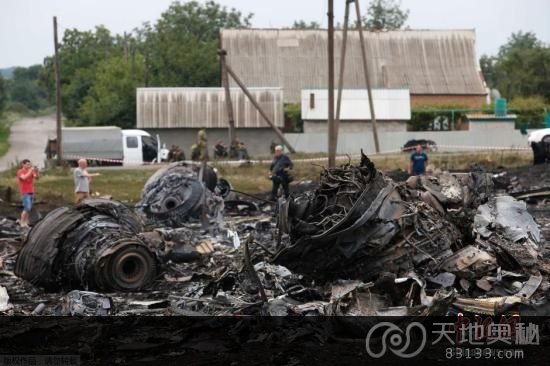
x=146, y=68
x=332, y=138
x=255, y=103
x=367, y=80
x=342, y=69
x=228, y=101
x=57, y=94
x=125, y=42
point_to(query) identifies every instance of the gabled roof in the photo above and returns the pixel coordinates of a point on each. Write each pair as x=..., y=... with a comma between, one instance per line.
x=439, y=62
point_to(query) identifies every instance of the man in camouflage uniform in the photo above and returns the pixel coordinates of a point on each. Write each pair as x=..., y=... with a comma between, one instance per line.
x=199, y=151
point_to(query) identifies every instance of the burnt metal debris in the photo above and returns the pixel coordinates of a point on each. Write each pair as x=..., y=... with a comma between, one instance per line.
x=357, y=225
x=359, y=243
x=179, y=192
x=93, y=246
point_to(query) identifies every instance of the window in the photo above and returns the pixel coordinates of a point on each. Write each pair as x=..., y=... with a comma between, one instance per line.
x=131, y=142
x=148, y=141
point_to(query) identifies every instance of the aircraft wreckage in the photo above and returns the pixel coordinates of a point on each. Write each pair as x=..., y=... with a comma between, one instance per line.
x=358, y=244
x=95, y=245
x=179, y=192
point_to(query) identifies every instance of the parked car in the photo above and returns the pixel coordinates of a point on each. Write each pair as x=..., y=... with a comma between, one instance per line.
x=539, y=141
x=426, y=145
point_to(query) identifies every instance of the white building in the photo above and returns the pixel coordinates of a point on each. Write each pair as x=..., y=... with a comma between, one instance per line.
x=392, y=108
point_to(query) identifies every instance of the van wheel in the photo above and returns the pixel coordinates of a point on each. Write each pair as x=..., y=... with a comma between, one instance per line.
x=545, y=145
x=538, y=153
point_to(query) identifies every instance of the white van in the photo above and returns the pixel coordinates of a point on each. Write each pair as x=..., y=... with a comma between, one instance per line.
x=110, y=145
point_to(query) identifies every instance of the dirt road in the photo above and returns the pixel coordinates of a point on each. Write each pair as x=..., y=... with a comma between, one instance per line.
x=28, y=140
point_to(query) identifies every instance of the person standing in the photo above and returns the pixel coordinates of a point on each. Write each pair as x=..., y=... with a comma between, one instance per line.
x=418, y=161
x=26, y=176
x=199, y=151
x=220, y=150
x=279, y=172
x=82, y=181
x=273, y=146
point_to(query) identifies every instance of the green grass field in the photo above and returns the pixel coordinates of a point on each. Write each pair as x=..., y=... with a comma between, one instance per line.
x=6, y=120
x=253, y=178
x=55, y=187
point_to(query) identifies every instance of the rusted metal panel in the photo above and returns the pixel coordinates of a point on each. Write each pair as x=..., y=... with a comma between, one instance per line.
x=439, y=62
x=206, y=108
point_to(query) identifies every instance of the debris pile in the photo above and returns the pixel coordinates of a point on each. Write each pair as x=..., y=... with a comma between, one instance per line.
x=85, y=303
x=525, y=183
x=93, y=246
x=423, y=245
x=356, y=244
x=357, y=225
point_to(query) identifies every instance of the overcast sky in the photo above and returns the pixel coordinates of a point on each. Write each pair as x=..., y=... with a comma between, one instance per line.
x=26, y=25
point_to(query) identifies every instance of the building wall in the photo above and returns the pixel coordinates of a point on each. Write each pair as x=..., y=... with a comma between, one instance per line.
x=389, y=104
x=257, y=140
x=480, y=134
x=355, y=126
x=353, y=137
x=467, y=101
x=206, y=107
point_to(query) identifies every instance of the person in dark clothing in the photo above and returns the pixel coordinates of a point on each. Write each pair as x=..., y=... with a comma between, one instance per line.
x=220, y=150
x=273, y=146
x=418, y=161
x=279, y=172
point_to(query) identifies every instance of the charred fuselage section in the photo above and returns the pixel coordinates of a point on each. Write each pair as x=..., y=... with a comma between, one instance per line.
x=179, y=192
x=357, y=225
x=93, y=246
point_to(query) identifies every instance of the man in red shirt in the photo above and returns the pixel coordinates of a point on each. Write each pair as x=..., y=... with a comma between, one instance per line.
x=26, y=177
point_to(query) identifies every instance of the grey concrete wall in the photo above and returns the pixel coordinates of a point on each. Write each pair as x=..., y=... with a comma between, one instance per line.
x=351, y=138
x=354, y=126
x=480, y=134
x=257, y=140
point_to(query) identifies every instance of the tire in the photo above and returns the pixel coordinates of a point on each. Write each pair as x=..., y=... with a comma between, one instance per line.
x=538, y=153
x=545, y=145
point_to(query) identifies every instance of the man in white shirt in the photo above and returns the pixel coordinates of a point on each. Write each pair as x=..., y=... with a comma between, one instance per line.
x=82, y=181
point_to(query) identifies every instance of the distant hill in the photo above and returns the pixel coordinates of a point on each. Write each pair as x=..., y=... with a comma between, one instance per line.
x=7, y=73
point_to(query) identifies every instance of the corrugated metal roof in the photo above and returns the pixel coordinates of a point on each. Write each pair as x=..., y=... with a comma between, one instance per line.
x=423, y=61
x=206, y=108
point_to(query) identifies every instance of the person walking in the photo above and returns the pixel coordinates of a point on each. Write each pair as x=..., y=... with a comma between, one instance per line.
x=279, y=173
x=82, y=181
x=26, y=176
x=418, y=161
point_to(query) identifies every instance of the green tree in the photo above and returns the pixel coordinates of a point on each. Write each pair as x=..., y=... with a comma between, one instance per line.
x=182, y=46
x=385, y=15
x=302, y=24
x=487, y=64
x=79, y=53
x=530, y=111
x=3, y=95
x=180, y=49
x=112, y=97
x=24, y=88
x=521, y=68
x=520, y=41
